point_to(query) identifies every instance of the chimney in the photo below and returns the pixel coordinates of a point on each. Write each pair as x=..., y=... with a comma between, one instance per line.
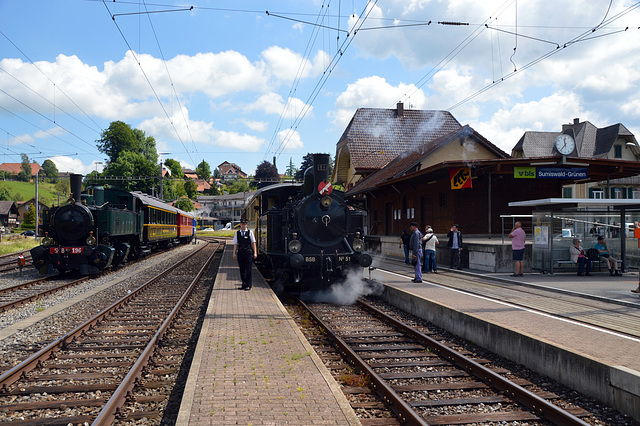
x=576, y=121
x=400, y=106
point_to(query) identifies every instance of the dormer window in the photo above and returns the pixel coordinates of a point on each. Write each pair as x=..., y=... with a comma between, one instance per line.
x=617, y=151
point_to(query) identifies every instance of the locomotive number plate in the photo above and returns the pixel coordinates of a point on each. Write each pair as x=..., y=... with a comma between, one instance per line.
x=344, y=258
x=72, y=250
x=310, y=259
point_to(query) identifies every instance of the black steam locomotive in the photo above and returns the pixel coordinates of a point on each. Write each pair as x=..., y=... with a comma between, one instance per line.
x=104, y=227
x=307, y=236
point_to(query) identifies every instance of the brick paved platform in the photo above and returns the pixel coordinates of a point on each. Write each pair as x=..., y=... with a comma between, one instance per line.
x=253, y=366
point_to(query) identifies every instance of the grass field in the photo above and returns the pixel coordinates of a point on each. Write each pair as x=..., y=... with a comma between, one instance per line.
x=13, y=246
x=23, y=191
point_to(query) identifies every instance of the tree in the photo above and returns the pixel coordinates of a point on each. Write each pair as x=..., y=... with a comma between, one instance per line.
x=25, y=169
x=146, y=146
x=30, y=217
x=291, y=169
x=307, y=161
x=191, y=188
x=266, y=174
x=174, y=167
x=184, y=204
x=63, y=186
x=132, y=164
x=5, y=195
x=203, y=170
x=50, y=170
x=118, y=138
x=237, y=186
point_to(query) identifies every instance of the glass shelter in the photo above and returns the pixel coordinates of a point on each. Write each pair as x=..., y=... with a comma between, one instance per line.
x=556, y=222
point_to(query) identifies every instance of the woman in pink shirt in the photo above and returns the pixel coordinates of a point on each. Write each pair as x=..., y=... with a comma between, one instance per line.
x=518, y=237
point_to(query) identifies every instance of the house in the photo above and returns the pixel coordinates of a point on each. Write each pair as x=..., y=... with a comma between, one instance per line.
x=24, y=206
x=225, y=207
x=376, y=136
x=15, y=168
x=190, y=174
x=8, y=214
x=415, y=185
x=203, y=186
x=230, y=171
x=611, y=142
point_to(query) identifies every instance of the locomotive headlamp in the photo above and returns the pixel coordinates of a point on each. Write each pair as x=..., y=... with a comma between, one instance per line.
x=46, y=241
x=295, y=246
x=358, y=244
x=91, y=240
x=325, y=201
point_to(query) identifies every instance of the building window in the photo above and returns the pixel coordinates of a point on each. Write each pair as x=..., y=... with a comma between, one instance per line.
x=567, y=192
x=617, y=149
x=598, y=195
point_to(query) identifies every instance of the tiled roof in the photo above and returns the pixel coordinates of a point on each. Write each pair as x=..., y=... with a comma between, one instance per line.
x=376, y=136
x=409, y=161
x=591, y=142
x=16, y=168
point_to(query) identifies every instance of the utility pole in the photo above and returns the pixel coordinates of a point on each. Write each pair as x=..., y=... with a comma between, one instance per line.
x=38, y=172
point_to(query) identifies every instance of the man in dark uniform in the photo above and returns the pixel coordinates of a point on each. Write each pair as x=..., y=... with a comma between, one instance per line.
x=244, y=250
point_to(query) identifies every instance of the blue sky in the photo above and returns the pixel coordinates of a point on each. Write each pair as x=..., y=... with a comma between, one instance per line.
x=226, y=81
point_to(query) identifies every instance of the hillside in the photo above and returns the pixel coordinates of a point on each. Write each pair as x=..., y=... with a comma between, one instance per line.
x=23, y=191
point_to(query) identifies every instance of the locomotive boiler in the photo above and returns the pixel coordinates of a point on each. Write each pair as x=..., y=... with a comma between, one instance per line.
x=307, y=235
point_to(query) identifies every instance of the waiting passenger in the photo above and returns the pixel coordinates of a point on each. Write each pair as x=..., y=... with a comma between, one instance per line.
x=604, y=253
x=579, y=256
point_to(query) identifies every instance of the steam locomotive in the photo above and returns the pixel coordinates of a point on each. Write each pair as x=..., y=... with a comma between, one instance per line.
x=307, y=236
x=104, y=227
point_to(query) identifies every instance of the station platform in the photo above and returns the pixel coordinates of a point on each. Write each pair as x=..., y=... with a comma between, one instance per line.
x=596, y=361
x=253, y=366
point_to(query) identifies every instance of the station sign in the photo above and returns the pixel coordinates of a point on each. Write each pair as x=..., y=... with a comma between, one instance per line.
x=550, y=173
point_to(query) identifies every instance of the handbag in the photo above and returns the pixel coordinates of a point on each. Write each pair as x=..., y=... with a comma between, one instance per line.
x=414, y=260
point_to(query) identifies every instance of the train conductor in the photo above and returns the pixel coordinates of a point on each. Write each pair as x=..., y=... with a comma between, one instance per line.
x=244, y=249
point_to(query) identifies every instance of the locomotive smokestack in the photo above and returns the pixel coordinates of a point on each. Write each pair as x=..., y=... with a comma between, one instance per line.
x=320, y=169
x=76, y=186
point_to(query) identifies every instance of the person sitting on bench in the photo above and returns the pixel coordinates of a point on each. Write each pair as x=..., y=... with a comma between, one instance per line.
x=578, y=256
x=603, y=252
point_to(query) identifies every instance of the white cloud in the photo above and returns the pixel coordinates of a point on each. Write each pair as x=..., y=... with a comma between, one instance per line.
x=373, y=92
x=272, y=103
x=290, y=140
x=256, y=126
x=287, y=65
x=73, y=165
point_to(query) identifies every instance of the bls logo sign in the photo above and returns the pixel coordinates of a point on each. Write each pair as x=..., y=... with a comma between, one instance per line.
x=524, y=172
x=460, y=178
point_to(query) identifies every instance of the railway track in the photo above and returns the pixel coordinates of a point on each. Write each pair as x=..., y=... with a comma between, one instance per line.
x=18, y=294
x=116, y=365
x=423, y=380
x=9, y=262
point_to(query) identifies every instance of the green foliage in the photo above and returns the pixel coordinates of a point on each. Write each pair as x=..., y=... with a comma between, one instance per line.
x=184, y=204
x=146, y=146
x=5, y=195
x=22, y=191
x=291, y=169
x=191, y=188
x=175, y=167
x=29, y=217
x=117, y=138
x=132, y=164
x=50, y=170
x=238, y=186
x=307, y=161
x=63, y=187
x=203, y=170
x=178, y=189
x=25, y=167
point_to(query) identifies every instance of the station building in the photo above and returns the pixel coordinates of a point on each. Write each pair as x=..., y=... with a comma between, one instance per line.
x=452, y=174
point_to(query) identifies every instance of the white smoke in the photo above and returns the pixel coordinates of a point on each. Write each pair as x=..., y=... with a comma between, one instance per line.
x=347, y=291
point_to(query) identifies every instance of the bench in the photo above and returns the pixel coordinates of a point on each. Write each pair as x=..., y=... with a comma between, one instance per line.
x=562, y=257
